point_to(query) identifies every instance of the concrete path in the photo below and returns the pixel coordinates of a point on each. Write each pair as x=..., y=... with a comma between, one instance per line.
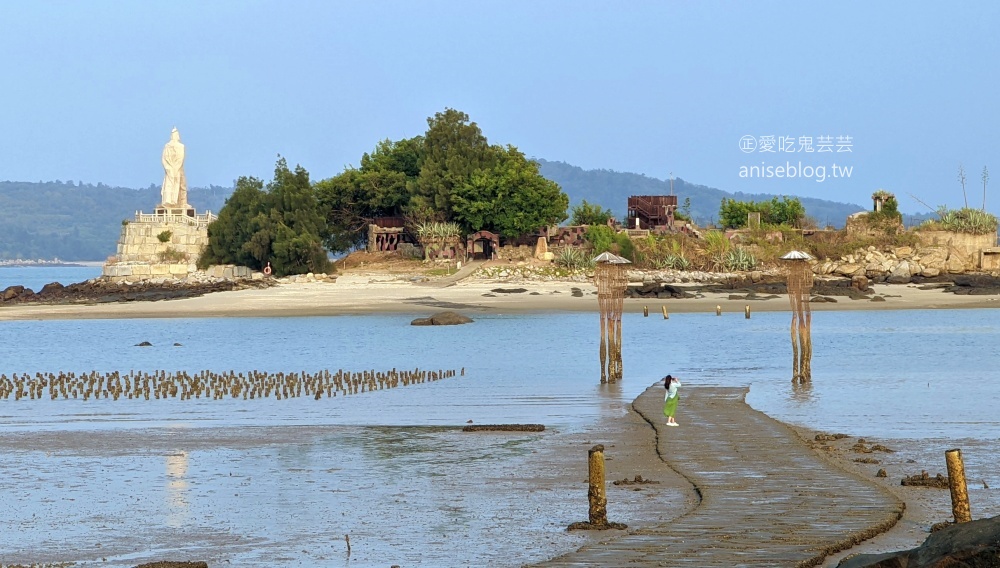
x=466, y=270
x=766, y=498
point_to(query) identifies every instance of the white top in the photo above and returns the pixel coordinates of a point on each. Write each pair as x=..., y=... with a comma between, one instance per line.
x=672, y=389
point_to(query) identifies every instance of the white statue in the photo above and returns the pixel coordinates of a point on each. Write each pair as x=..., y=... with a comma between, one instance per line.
x=174, y=191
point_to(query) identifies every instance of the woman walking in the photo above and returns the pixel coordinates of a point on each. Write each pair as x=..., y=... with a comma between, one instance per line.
x=670, y=399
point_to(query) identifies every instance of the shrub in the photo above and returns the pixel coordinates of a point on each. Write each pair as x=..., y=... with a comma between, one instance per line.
x=965, y=220
x=573, y=258
x=624, y=245
x=716, y=247
x=164, y=237
x=172, y=255
x=601, y=237
x=739, y=258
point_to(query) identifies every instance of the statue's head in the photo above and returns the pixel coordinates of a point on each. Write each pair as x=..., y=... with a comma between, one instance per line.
x=175, y=135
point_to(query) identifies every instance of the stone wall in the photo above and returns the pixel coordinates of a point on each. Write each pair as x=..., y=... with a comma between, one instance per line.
x=519, y=252
x=141, y=255
x=964, y=243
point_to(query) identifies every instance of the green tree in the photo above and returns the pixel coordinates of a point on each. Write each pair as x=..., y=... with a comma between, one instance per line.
x=228, y=234
x=786, y=211
x=381, y=187
x=453, y=150
x=589, y=214
x=600, y=237
x=281, y=225
x=509, y=198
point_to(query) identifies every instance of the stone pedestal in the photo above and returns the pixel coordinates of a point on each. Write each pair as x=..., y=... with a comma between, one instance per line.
x=185, y=210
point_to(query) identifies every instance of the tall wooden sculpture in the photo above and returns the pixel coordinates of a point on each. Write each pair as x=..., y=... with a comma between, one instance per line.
x=611, y=279
x=800, y=282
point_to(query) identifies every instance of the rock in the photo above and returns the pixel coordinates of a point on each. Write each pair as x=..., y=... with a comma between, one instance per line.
x=900, y=274
x=954, y=264
x=903, y=252
x=975, y=543
x=881, y=473
x=930, y=272
x=756, y=276
x=541, y=248
x=442, y=318
x=859, y=283
x=847, y=269
x=12, y=292
x=52, y=288
x=877, y=299
x=144, y=344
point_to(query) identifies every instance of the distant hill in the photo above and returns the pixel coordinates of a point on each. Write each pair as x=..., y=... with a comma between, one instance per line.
x=77, y=222
x=611, y=190
x=73, y=221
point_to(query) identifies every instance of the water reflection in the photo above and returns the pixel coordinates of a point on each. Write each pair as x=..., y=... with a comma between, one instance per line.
x=802, y=393
x=177, y=486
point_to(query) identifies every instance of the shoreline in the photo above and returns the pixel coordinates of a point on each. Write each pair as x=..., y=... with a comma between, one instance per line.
x=389, y=294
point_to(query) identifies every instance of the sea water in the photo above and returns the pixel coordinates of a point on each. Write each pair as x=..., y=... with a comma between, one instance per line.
x=265, y=481
x=907, y=374
x=34, y=277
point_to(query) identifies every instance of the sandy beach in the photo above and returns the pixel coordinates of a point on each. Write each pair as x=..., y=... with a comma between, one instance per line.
x=361, y=293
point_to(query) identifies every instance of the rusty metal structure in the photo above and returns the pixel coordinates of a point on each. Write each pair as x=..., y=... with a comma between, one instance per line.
x=651, y=212
x=800, y=283
x=611, y=279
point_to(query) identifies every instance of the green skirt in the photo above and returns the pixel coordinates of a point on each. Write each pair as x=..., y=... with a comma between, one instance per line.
x=670, y=406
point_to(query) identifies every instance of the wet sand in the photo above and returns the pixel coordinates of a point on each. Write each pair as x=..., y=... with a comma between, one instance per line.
x=382, y=293
x=289, y=494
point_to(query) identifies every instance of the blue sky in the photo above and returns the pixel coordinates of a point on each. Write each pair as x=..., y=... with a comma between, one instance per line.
x=90, y=90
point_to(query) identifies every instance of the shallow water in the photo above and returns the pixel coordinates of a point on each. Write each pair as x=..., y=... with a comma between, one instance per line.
x=35, y=277
x=422, y=496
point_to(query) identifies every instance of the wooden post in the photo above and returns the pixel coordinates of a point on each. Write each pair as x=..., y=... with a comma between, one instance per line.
x=959, y=492
x=645, y=311
x=665, y=314
x=718, y=310
x=596, y=493
x=747, y=311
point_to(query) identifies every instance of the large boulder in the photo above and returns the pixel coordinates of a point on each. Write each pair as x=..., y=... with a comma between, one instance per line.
x=973, y=544
x=11, y=292
x=955, y=264
x=51, y=288
x=848, y=269
x=442, y=318
x=900, y=274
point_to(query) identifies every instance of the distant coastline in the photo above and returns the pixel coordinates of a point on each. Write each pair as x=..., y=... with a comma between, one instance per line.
x=54, y=263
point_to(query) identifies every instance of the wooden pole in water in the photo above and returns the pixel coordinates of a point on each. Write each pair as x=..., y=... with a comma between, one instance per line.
x=747, y=311
x=959, y=491
x=645, y=311
x=665, y=315
x=596, y=493
x=718, y=310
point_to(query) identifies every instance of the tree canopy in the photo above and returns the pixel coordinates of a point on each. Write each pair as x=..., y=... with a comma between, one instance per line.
x=451, y=174
x=281, y=225
x=590, y=214
x=381, y=187
x=786, y=211
x=509, y=198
